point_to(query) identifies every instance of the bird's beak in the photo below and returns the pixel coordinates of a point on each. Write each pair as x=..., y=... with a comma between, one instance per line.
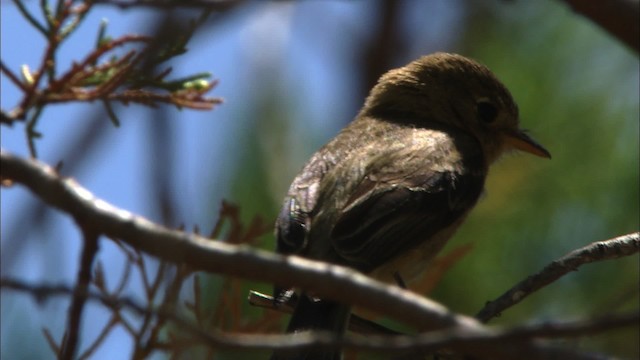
x=521, y=141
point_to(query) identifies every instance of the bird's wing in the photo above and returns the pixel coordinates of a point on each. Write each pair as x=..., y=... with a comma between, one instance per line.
x=390, y=213
x=293, y=222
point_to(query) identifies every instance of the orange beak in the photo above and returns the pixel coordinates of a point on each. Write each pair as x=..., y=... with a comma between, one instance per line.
x=521, y=141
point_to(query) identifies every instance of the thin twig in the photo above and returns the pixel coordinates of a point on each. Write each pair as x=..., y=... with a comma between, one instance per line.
x=47, y=65
x=32, y=20
x=80, y=11
x=13, y=77
x=89, y=251
x=31, y=132
x=624, y=245
x=459, y=338
x=115, y=319
x=215, y=5
x=96, y=54
x=55, y=348
x=5, y=118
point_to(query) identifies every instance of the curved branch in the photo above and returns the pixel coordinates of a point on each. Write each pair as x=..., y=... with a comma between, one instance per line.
x=624, y=245
x=200, y=253
x=328, y=281
x=428, y=342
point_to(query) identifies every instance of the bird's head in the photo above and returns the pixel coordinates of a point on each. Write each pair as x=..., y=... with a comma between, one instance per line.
x=455, y=91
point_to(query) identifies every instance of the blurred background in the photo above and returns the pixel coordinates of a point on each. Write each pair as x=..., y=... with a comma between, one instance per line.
x=292, y=74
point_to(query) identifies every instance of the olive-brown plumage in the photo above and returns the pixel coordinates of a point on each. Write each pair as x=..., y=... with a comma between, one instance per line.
x=392, y=187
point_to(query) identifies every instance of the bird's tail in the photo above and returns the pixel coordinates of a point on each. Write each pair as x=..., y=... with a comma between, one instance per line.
x=320, y=315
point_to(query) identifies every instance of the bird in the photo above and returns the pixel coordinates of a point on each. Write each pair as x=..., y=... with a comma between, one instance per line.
x=386, y=194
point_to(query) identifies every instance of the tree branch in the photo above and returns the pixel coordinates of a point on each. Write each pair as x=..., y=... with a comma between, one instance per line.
x=89, y=252
x=328, y=281
x=624, y=245
x=428, y=342
x=215, y=5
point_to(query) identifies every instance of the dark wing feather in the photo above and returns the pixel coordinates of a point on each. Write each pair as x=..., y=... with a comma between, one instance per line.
x=294, y=219
x=388, y=216
x=291, y=227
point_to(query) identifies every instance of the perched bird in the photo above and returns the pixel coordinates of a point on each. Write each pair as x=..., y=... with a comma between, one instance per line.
x=391, y=188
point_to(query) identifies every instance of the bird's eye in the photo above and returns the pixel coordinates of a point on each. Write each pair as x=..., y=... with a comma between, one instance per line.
x=487, y=112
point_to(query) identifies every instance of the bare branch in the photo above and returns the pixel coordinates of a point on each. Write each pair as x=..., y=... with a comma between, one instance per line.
x=13, y=77
x=217, y=257
x=89, y=251
x=30, y=18
x=624, y=245
x=100, y=339
x=453, y=338
x=215, y=5
x=328, y=281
